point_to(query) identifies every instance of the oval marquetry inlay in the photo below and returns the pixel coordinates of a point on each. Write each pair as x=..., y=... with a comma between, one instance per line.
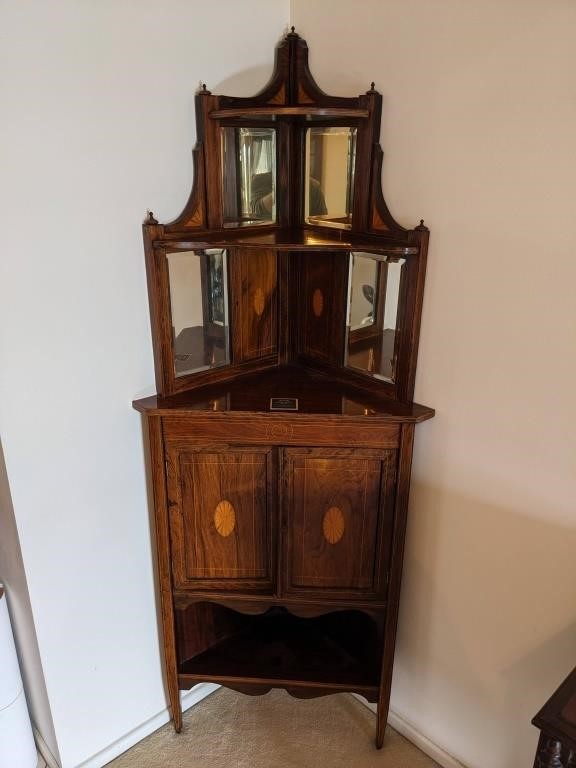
x=224, y=518
x=333, y=525
x=317, y=302
x=259, y=302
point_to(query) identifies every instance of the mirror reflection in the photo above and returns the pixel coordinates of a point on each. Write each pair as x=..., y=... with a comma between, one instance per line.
x=199, y=309
x=248, y=176
x=373, y=329
x=330, y=163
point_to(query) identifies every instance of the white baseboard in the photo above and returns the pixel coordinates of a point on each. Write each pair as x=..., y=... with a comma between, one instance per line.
x=410, y=732
x=188, y=699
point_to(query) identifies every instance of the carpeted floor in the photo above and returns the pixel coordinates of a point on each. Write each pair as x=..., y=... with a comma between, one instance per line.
x=229, y=730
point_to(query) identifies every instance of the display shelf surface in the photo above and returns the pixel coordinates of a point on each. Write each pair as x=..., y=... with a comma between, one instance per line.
x=291, y=111
x=286, y=648
x=315, y=393
x=287, y=240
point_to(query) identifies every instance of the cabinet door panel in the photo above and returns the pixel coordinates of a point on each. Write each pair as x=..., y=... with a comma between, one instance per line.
x=339, y=506
x=220, y=518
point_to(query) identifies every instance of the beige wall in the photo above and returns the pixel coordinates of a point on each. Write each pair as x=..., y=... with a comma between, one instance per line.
x=97, y=126
x=479, y=134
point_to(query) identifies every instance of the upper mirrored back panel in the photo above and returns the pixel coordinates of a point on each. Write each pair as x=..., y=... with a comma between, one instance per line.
x=329, y=168
x=248, y=176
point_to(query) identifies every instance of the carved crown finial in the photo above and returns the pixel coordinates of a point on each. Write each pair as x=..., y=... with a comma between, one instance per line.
x=372, y=85
x=422, y=227
x=204, y=91
x=150, y=218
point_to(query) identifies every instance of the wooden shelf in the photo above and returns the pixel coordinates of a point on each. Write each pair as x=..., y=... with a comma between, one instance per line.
x=336, y=651
x=316, y=393
x=276, y=111
x=286, y=240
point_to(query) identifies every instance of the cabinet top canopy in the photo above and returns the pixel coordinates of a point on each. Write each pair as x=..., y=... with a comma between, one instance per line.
x=292, y=86
x=257, y=159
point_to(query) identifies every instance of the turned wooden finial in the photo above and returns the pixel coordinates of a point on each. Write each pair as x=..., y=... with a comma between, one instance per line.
x=550, y=756
x=150, y=219
x=204, y=91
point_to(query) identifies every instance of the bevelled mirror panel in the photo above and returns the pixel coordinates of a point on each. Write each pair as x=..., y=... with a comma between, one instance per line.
x=199, y=309
x=329, y=169
x=248, y=176
x=374, y=291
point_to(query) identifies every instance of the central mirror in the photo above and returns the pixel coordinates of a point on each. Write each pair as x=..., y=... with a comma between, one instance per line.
x=248, y=176
x=374, y=291
x=330, y=166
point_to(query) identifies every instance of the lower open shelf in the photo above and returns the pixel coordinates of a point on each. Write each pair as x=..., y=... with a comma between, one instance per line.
x=333, y=652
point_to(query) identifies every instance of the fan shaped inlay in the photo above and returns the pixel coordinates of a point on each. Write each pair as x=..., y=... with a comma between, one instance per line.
x=333, y=525
x=259, y=301
x=318, y=302
x=224, y=518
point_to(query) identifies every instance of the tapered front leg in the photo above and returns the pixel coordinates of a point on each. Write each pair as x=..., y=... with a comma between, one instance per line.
x=381, y=721
x=175, y=705
x=158, y=465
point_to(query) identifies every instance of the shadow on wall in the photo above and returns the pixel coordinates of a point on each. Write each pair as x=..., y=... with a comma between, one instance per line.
x=487, y=616
x=13, y=575
x=245, y=83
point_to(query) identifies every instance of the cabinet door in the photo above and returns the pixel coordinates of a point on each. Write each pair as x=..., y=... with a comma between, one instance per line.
x=221, y=518
x=338, y=518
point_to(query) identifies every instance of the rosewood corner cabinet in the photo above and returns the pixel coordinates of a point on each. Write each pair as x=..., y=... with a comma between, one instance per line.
x=285, y=308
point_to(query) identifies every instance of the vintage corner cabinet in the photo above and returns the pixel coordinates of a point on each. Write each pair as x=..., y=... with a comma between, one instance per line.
x=285, y=307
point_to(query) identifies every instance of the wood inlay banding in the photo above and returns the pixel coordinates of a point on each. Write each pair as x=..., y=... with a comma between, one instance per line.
x=333, y=525
x=225, y=518
x=318, y=302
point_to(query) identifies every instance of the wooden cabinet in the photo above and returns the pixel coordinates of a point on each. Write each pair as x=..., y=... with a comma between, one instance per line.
x=285, y=307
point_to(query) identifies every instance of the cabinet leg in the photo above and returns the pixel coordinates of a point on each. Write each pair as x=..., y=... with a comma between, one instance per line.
x=175, y=706
x=381, y=720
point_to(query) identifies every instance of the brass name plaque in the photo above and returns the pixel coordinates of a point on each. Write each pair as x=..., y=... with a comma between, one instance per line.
x=283, y=403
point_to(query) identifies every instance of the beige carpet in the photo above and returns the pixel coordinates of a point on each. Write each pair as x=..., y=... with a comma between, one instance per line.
x=229, y=730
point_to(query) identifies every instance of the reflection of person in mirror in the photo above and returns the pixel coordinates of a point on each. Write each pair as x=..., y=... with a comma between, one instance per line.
x=262, y=196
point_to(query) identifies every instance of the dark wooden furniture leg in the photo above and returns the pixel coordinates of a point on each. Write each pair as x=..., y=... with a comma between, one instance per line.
x=400, y=518
x=162, y=539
